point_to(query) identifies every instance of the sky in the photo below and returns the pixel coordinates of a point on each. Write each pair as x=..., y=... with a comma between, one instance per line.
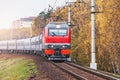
x=11, y=10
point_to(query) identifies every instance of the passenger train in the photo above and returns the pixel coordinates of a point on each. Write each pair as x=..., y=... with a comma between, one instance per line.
x=54, y=42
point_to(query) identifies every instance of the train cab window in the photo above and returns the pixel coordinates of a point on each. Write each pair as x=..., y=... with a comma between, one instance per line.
x=57, y=32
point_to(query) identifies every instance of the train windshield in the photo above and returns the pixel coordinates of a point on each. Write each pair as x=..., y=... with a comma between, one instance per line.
x=57, y=32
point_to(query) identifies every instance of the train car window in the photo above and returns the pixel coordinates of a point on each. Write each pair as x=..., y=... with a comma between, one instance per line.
x=57, y=32
x=3, y=44
x=26, y=43
x=20, y=43
x=11, y=44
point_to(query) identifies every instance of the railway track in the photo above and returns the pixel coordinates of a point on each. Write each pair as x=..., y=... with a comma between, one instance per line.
x=82, y=73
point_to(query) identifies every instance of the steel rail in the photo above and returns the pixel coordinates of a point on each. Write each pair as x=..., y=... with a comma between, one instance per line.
x=70, y=72
x=94, y=72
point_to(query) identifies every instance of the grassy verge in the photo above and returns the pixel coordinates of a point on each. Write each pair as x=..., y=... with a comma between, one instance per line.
x=16, y=69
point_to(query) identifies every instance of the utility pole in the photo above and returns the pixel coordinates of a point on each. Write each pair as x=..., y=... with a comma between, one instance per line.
x=31, y=31
x=30, y=35
x=93, y=64
x=69, y=10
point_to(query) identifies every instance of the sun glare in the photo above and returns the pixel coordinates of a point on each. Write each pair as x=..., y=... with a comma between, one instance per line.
x=4, y=25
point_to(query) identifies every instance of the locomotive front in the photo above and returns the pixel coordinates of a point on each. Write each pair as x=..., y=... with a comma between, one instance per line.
x=56, y=42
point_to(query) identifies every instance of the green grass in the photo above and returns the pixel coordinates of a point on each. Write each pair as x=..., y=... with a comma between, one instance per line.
x=16, y=69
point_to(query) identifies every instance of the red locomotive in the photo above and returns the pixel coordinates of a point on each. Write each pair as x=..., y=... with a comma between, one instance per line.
x=56, y=40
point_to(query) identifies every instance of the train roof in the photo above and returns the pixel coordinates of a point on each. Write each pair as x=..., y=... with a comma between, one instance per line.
x=54, y=24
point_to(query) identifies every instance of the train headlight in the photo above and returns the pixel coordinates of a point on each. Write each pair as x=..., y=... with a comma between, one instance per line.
x=57, y=26
x=65, y=46
x=50, y=46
